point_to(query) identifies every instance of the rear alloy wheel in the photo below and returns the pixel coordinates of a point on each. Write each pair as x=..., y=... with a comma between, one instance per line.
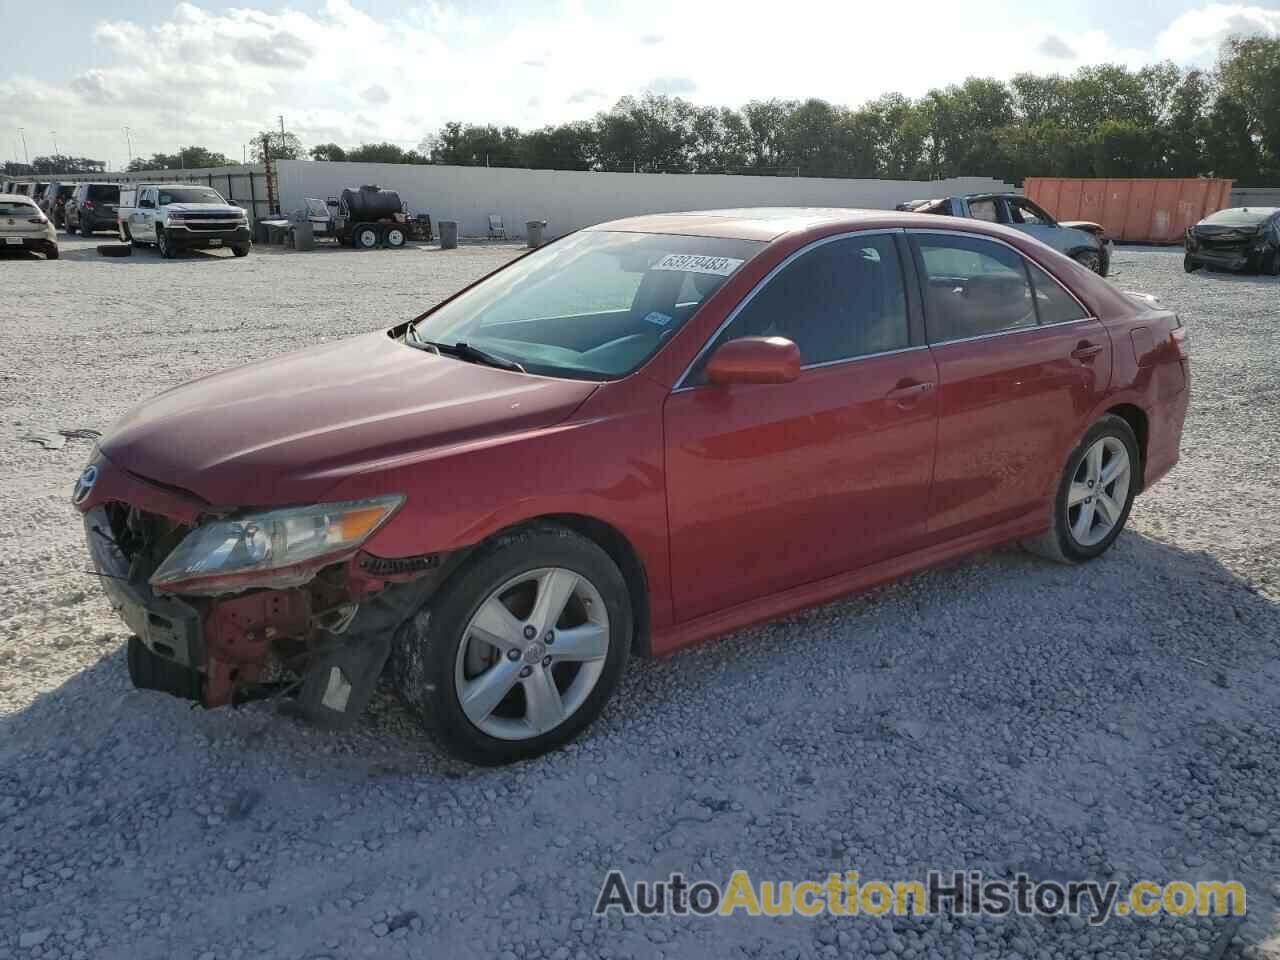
x=520, y=650
x=395, y=237
x=1089, y=258
x=366, y=237
x=1095, y=495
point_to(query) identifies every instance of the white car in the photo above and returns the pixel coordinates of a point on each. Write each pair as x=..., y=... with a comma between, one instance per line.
x=23, y=226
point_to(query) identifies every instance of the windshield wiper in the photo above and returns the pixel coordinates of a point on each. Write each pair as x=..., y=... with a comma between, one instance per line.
x=462, y=351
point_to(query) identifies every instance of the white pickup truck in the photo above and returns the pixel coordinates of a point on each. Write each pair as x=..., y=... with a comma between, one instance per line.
x=181, y=216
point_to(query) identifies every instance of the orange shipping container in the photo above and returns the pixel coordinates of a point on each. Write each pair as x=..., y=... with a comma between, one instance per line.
x=1136, y=210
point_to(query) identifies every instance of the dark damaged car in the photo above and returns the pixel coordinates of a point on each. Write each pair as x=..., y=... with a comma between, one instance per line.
x=1240, y=239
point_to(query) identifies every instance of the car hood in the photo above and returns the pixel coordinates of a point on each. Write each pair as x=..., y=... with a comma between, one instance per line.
x=278, y=431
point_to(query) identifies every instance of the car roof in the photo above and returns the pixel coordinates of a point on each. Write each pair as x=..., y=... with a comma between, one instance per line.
x=770, y=223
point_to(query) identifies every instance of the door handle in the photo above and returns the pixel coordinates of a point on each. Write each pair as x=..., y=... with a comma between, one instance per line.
x=908, y=393
x=1085, y=351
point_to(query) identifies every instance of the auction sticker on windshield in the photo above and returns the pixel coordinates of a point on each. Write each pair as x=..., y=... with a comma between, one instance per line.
x=694, y=263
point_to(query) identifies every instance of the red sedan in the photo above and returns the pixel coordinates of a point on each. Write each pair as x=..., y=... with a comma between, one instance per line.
x=640, y=436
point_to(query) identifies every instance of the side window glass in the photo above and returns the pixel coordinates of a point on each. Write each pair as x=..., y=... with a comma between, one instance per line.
x=973, y=288
x=983, y=210
x=1053, y=303
x=841, y=300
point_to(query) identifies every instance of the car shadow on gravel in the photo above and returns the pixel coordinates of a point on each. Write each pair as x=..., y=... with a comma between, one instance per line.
x=859, y=624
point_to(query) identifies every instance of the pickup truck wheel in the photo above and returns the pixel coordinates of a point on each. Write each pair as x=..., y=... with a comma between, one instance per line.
x=1095, y=495
x=1271, y=263
x=520, y=649
x=164, y=244
x=1089, y=258
x=240, y=249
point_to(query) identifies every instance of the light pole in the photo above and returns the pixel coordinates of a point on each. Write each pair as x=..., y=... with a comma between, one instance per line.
x=26, y=158
x=54, y=134
x=128, y=145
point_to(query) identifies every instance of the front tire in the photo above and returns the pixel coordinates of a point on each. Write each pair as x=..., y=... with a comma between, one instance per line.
x=241, y=250
x=1188, y=264
x=1095, y=494
x=164, y=244
x=521, y=648
x=1089, y=258
x=1271, y=263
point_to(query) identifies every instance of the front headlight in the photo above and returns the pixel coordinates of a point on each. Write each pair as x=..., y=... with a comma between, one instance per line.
x=276, y=548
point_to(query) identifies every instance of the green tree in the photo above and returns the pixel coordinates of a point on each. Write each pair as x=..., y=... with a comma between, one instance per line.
x=187, y=158
x=568, y=146
x=328, y=151
x=1249, y=74
x=283, y=146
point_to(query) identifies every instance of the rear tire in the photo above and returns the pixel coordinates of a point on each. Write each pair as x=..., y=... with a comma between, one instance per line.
x=1189, y=265
x=150, y=671
x=395, y=237
x=86, y=228
x=241, y=250
x=1271, y=263
x=51, y=253
x=431, y=659
x=1091, y=507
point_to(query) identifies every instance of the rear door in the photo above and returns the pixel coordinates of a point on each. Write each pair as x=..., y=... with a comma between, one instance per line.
x=771, y=486
x=1020, y=366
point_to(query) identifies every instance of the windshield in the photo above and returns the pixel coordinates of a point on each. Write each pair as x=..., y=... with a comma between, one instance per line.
x=188, y=195
x=1240, y=217
x=595, y=305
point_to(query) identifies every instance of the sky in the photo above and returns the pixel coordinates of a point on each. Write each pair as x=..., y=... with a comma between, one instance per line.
x=78, y=72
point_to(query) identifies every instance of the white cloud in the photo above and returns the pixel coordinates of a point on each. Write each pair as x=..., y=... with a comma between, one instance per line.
x=1196, y=34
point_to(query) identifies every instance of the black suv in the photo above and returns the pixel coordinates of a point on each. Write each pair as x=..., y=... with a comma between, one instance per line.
x=91, y=208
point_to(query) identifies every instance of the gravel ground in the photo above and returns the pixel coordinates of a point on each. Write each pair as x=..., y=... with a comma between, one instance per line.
x=1002, y=714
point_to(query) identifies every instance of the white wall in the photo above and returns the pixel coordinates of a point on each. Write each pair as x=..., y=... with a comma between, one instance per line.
x=568, y=200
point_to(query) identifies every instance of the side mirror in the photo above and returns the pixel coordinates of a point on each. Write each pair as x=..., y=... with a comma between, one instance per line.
x=754, y=360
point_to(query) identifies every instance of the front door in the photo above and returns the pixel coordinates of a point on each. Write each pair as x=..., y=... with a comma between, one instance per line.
x=772, y=486
x=1020, y=366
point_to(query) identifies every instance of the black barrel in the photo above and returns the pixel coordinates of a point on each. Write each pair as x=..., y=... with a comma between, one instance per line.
x=371, y=203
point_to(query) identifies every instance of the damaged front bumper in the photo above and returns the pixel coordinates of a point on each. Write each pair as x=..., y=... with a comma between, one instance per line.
x=323, y=642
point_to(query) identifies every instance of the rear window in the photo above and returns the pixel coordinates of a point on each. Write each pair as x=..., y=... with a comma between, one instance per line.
x=16, y=208
x=105, y=192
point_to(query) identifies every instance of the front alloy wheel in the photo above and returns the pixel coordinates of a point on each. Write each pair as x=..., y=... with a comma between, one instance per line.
x=532, y=653
x=520, y=648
